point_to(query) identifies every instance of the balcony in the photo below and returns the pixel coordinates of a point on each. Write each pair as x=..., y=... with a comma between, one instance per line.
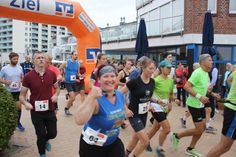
x=128, y=31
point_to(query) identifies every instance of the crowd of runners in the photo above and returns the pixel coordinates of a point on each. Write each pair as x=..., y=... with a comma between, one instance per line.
x=123, y=95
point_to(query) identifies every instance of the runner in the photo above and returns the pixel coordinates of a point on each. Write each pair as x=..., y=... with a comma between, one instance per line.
x=11, y=75
x=42, y=103
x=102, y=116
x=80, y=80
x=197, y=88
x=229, y=124
x=141, y=90
x=71, y=67
x=27, y=66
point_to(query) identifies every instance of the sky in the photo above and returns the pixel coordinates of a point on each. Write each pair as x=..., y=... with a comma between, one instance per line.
x=103, y=12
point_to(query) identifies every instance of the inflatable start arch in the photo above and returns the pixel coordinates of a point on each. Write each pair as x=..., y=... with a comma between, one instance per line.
x=59, y=12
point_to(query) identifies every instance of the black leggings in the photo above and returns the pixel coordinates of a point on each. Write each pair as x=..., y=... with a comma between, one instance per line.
x=116, y=149
x=45, y=124
x=181, y=91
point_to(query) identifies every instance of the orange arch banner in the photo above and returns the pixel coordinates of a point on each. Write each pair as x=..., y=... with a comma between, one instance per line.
x=59, y=12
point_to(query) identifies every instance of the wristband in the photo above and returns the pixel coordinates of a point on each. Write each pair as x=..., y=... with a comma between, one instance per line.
x=198, y=96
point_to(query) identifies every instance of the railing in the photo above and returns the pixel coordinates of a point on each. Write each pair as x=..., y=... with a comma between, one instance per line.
x=158, y=27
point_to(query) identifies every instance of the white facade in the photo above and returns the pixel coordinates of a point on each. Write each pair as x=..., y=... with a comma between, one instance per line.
x=27, y=37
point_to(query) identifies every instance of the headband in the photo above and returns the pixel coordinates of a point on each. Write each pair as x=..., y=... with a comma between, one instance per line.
x=106, y=69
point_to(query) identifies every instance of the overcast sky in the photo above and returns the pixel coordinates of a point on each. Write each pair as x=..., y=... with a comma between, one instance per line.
x=109, y=11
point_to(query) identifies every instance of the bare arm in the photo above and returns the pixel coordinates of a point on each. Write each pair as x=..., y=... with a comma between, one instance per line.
x=124, y=89
x=63, y=65
x=22, y=98
x=88, y=107
x=119, y=77
x=6, y=82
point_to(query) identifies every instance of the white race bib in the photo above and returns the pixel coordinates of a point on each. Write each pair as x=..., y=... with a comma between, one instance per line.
x=143, y=108
x=94, y=137
x=72, y=77
x=157, y=107
x=41, y=105
x=15, y=85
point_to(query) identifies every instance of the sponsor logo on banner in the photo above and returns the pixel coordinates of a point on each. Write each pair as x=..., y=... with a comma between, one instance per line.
x=64, y=9
x=86, y=21
x=48, y=7
x=91, y=55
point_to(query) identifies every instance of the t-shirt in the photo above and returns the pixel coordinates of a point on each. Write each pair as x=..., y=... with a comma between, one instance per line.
x=82, y=71
x=14, y=74
x=140, y=93
x=27, y=67
x=232, y=93
x=104, y=127
x=181, y=75
x=71, y=71
x=40, y=87
x=163, y=87
x=200, y=81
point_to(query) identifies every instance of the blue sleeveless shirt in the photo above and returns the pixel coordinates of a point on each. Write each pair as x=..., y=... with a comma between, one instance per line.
x=108, y=120
x=71, y=71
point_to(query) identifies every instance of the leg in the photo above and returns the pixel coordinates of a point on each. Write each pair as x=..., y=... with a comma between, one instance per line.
x=143, y=143
x=199, y=129
x=166, y=130
x=132, y=143
x=116, y=149
x=184, y=97
x=39, y=125
x=222, y=147
x=155, y=127
x=51, y=126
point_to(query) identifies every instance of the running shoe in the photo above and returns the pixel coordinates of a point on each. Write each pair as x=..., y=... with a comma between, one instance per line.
x=48, y=146
x=42, y=155
x=149, y=148
x=160, y=152
x=20, y=127
x=193, y=153
x=67, y=112
x=210, y=129
x=174, y=141
x=183, y=123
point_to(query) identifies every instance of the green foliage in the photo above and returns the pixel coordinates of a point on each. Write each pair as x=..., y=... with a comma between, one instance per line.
x=8, y=117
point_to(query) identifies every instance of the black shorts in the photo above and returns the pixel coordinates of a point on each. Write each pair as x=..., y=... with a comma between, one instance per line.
x=159, y=116
x=211, y=102
x=198, y=114
x=81, y=86
x=229, y=124
x=72, y=87
x=116, y=149
x=15, y=95
x=138, y=123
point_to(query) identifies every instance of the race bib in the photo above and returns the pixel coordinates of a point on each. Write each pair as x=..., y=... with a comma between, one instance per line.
x=41, y=105
x=94, y=137
x=72, y=77
x=15, y=85
x=143, y=108
x=157, y=107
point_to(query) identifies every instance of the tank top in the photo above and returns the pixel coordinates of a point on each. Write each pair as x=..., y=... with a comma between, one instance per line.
x=103, y=128
x=71, y=71
x=123, y=80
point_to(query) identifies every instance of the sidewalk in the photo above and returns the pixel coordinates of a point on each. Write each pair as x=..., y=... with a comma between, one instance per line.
x=66, y=143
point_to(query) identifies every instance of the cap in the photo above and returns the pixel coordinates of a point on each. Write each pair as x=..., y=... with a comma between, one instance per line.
x=141, y=59
x=165, y=63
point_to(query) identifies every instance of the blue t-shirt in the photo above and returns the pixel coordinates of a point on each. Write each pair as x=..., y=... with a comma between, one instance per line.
x=109, y=118
x=14, y=74
x=26, y=66
x=71, y=71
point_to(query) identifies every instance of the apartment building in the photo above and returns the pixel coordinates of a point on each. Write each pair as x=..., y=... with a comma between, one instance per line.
x=26, y=37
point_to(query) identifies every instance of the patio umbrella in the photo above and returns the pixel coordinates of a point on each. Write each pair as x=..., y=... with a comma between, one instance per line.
x=141, y=45
x=208, y=35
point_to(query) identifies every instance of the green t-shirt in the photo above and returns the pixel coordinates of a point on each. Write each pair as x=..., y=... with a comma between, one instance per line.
x=200, y=81
x=232, y=93
x=163, y=87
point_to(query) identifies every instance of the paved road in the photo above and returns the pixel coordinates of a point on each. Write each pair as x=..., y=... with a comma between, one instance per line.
x=67, y=142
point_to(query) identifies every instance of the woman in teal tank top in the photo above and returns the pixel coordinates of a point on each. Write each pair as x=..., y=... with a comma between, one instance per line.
x=102, y=114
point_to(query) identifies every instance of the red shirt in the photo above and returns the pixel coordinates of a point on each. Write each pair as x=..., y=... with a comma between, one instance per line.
x=82, y=71
x=181, y=75
x=40, y=86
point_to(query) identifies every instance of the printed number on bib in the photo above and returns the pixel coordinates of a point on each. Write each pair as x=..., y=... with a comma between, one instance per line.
x=72, y=77
x=94, y=137
x=41, y=105
x=143, y=108
x=15, y=85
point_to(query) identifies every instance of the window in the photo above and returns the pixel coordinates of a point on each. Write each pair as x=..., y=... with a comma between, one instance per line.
x=212, y=6
x=232, y=6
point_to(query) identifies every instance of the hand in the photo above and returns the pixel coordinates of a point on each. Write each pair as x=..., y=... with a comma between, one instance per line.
x=128, y=113
x=151, y=108
x=54, y=98
x=216, y=95
x=204, y=99
x=28, y=106
x=95, y=92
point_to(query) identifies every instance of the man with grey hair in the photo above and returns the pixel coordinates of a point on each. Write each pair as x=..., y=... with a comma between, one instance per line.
x=197, y=87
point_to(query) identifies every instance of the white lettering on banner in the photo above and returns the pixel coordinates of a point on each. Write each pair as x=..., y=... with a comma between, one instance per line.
x=48, y=7
x=87, y=23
